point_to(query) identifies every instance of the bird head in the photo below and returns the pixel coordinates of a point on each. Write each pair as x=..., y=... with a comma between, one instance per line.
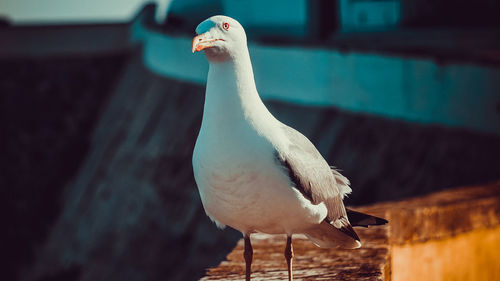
x=220, y=37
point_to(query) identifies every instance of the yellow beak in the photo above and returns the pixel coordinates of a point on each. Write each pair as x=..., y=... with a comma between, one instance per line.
x=201, y=42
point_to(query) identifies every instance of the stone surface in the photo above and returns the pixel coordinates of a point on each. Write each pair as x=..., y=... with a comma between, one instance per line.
x=443, y=214
x=471, y=255
x=427, y=237
x=449, y=235
x=370, y=262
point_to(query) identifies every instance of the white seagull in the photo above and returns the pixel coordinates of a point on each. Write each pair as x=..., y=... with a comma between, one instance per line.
x=254, y=173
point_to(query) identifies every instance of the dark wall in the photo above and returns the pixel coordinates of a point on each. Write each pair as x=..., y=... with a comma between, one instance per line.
x=446, y=13
x=48, y=109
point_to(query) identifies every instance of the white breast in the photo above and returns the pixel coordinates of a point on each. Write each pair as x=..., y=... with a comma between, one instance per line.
x=242, y=185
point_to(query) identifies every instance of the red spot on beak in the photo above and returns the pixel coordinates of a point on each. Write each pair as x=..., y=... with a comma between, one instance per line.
x=200, y=42
x=199, y=48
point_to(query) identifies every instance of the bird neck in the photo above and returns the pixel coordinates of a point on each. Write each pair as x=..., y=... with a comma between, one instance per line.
x=231, y=93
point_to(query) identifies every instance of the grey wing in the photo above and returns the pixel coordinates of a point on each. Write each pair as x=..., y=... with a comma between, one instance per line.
x=313, y=177
x=342, y=182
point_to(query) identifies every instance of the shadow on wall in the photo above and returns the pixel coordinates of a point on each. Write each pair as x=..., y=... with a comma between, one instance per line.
x=48, y=108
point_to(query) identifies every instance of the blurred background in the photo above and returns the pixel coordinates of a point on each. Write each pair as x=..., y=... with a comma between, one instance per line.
x=101, y=103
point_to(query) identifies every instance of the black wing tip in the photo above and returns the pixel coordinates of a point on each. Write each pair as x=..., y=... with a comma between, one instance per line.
x=349, y=231
x=376, y=221
x=364, y=220
x=380, y=221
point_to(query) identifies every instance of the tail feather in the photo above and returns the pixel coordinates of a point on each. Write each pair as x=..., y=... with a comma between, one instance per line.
x=361, y=219
x=326, y=235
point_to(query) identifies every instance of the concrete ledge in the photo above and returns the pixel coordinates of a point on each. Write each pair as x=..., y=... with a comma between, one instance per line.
x=448, y=235
x=444, y=214
x=471, y=255
x=370, y=262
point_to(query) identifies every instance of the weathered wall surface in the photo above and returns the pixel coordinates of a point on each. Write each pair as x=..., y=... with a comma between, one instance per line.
x=371, y=262
x=448, y=235
x=469, y=256
x=48, y=109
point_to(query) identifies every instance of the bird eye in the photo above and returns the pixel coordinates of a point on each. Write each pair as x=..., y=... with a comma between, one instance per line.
x=225, y=26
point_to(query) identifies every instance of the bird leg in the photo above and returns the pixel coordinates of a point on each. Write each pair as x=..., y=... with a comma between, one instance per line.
x=289, y=256
x=248, y=254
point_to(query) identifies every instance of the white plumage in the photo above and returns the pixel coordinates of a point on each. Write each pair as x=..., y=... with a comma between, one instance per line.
x=254, y=173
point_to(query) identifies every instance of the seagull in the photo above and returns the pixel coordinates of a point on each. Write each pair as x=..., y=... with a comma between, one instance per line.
x=254, y=173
